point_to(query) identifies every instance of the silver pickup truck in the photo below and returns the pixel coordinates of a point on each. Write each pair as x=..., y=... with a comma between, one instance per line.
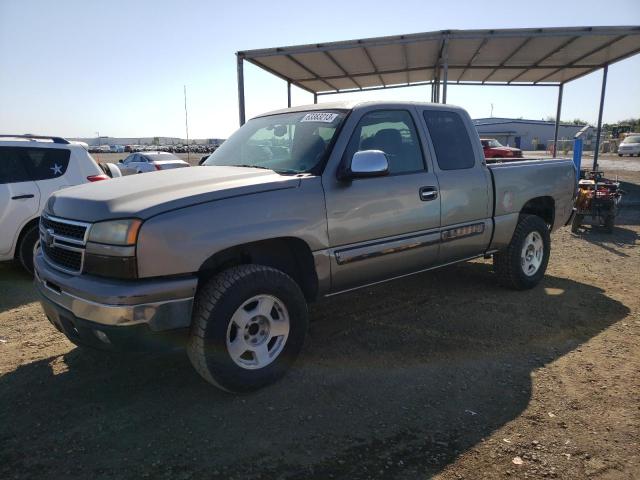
x=297, y=204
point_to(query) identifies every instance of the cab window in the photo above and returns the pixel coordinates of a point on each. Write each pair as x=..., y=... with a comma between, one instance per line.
x=394, y=133
x=450, y=140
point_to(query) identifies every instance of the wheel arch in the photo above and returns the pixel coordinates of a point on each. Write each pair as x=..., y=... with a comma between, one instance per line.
x=291, y=255
x=544, y=207
x=25, y=228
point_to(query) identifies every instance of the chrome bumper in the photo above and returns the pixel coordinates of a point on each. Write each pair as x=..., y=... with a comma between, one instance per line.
x=160, y=304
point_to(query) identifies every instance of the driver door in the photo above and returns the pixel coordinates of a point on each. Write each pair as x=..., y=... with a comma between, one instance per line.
x=383, y=226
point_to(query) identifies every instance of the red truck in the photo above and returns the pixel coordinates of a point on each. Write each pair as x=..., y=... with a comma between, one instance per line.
x=494, y=149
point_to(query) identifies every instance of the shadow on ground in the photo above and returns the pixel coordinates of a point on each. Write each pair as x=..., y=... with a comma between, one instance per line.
x=394, y=381
x=622, y=240
x=16, y=286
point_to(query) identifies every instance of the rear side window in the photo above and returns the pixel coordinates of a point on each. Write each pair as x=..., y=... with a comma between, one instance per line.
x=450, y=140
x=46, y=163
x=394, y=133
x=12, y=166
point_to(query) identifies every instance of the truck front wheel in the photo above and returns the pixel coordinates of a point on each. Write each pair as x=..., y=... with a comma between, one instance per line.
x=522, y=265
x=248, y=326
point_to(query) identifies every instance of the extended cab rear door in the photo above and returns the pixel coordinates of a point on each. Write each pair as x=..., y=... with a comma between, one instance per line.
x=381, y=227
x=464, y=181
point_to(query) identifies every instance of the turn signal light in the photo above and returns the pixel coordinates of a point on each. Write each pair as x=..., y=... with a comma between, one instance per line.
x=97, y=178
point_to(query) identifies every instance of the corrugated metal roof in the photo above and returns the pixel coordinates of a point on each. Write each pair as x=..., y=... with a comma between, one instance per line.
x=506, y=56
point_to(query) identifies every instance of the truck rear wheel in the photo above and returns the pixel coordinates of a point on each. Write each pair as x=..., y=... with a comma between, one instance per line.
x=248, y=326
x=522, y=265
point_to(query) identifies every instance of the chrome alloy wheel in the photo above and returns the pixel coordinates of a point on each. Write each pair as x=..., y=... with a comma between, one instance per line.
x=532, y=253
x=257, y=332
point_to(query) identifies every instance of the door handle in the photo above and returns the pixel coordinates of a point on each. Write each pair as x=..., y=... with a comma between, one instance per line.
x=428, y=193
x=22, y=197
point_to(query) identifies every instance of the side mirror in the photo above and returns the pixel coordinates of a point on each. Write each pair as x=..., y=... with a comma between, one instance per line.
x=368, y=163
x=120, y=161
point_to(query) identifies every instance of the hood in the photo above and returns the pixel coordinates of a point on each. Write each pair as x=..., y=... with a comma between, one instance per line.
x=148, y=194
x=505, y=149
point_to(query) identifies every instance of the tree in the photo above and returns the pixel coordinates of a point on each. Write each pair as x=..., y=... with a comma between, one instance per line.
x=578, y=121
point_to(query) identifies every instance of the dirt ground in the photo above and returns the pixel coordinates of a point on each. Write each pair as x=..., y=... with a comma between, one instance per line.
x=442, y=375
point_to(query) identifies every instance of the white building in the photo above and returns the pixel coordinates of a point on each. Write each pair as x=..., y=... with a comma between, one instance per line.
x=530, y=134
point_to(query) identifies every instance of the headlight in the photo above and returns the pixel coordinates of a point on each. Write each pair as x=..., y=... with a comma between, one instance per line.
x=116, y=232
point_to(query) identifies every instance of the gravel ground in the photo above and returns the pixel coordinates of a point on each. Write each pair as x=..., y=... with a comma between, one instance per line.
x=442, y=375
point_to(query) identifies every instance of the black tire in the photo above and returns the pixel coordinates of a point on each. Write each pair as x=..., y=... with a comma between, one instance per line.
x=576, y=223
x=26, y=247
x=609, y=223
x=507, y=263
x=215, y=304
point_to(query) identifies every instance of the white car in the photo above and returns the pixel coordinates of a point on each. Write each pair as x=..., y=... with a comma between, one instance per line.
x=142, y=162
x=630, y=146
x=31, y=169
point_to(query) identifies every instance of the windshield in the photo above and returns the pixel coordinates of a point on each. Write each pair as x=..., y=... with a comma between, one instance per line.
x=286, y=143
x=491, y=143
x=632, y=139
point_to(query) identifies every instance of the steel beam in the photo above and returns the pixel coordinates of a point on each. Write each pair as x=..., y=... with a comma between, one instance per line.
x=371, y=89
x=453, y=34
x=432, y=83
x=288, y=94
x=342, y=69
x=558, y=112
x=473, y=57
x=312, y=73
x=241, y=108
x=588, y=54
x=445, y=59
x=278, y=75
x=605, y=70
x=548, y=55
x=504, y=62
x=373, y=66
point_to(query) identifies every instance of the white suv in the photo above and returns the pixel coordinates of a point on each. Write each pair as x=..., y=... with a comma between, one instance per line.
x=31, y=169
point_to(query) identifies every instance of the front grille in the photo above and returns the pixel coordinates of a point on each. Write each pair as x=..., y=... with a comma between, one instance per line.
x=66, y=259
x=69, y=230
x=63, y=243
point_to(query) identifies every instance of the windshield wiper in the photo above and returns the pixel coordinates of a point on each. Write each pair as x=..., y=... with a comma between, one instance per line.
x=252, y=166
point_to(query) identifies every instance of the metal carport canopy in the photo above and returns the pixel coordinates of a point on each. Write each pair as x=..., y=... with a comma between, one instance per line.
x=523, y=56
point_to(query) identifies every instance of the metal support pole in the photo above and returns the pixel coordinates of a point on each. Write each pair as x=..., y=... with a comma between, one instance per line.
x=445, y=57
x=558, y=111
x=604, y=87
x=241, y=90
x=315, y=98
x=288, y=94
x=444, y=83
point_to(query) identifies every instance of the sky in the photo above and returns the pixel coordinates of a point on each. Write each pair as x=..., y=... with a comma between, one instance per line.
x=75, y=68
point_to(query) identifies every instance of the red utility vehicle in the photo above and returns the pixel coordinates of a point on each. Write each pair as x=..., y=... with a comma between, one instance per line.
x=494, y=149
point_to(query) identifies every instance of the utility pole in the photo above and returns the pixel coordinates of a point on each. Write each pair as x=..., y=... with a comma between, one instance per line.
x=186, y=123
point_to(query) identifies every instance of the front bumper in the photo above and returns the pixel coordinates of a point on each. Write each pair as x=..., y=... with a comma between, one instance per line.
x=129, y=314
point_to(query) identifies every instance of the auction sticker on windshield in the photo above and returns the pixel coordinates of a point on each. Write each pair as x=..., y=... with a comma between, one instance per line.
x=324, y=117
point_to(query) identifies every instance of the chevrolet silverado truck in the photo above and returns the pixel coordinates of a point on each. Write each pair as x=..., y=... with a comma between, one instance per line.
x=297, y=204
